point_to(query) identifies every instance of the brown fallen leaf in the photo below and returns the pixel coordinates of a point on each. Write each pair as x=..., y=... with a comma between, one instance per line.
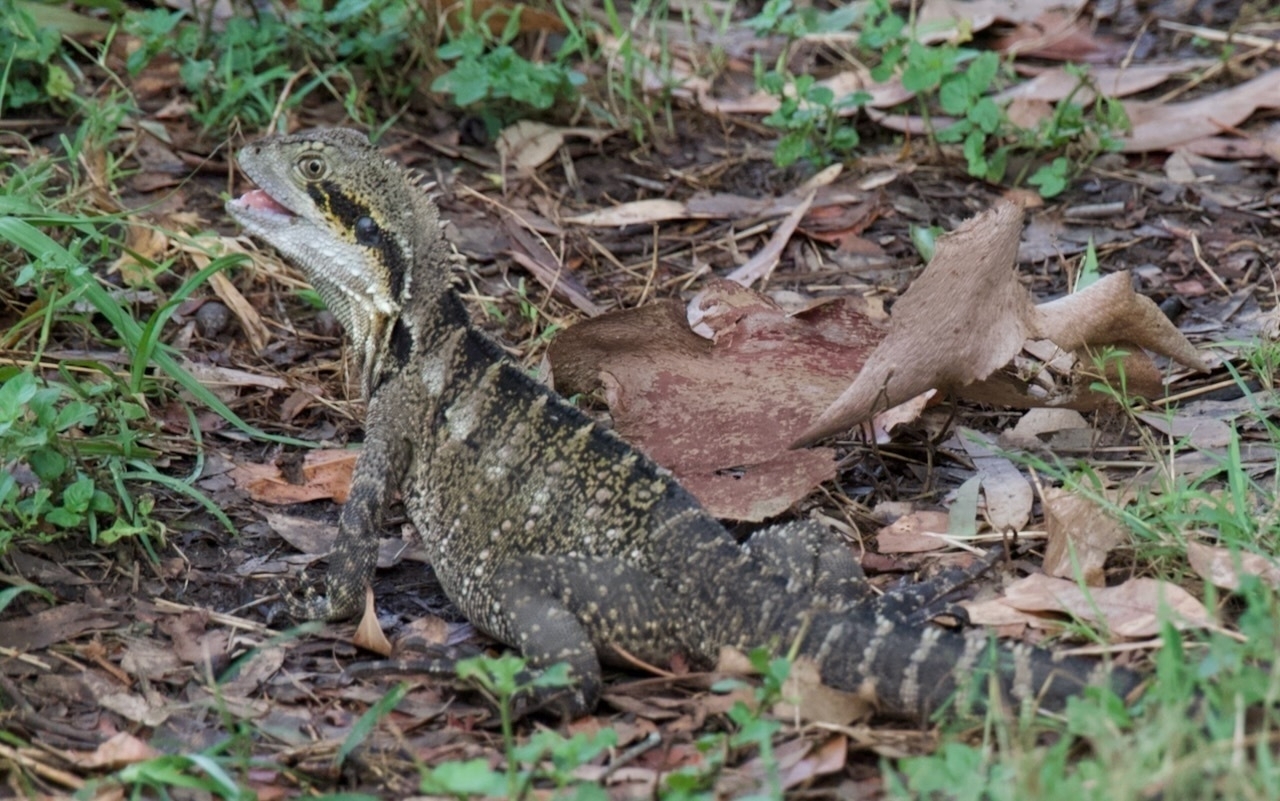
x=1057, y=36
x=720, y=415
x=59, y=624
x=1164, y=126
x=316, y=539
x=1224, y=568
x=1081, y=535
x=805, y=696
x=1206, y=433
x=121, y=750
x=1132, y=609
x=325, y=473
x=527, y=145
x=915, y=532
x=967, y=315
x=1058, y=83
x=1030, y=430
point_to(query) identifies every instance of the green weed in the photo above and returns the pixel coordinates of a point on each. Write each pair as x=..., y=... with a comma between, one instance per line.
x=946, y=79
x=30, y=52
x=488, y=73
x=545, y=756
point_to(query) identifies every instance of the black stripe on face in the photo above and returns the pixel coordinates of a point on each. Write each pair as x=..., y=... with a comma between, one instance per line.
x=330, y=197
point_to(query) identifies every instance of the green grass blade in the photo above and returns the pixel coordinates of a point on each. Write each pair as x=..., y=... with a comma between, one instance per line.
x=37, y=243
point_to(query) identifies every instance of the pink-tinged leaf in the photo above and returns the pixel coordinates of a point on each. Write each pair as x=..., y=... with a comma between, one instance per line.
x=914, y=533
x=720, y=414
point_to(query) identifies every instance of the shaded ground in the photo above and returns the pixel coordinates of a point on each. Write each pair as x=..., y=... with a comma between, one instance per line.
x=132, y=644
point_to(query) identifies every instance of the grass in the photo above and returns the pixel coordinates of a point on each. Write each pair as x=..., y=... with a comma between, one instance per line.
x=79, y=441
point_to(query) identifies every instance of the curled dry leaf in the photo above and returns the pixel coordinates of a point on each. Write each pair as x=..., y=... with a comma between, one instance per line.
x=1081, y=534
x=369, y=633
x=1222, y=568
x=720, y=414
x=967, y=315
x=1132, y=609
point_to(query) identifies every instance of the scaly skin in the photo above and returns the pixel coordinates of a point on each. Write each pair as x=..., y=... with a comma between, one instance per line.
x=548, y=532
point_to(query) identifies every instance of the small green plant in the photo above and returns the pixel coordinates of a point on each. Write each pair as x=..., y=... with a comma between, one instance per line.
x=946, y=79
x=29, y=52
x=809, y=114
x=53, y=435
x=506, y=680
x=487, y=71
x=751, y=730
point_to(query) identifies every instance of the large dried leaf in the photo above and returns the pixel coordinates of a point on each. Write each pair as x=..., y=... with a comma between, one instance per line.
x=1160, y=126
x=1132, y=609
x=1081, y=534
x=967, y=315
x=1225, y=569
x=720, y=414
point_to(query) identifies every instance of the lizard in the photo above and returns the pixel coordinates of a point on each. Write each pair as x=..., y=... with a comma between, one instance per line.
x=547, y=530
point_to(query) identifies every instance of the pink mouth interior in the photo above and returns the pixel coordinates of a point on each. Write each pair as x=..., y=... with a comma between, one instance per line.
x=258, y=199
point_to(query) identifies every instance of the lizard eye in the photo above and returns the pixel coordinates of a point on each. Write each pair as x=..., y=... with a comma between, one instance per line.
x=312, y=168
x=367, y=232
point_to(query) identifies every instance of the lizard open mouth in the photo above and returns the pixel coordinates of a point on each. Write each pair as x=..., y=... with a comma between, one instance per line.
x=259, y=200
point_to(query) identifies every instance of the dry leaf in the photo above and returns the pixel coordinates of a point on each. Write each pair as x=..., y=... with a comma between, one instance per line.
x=720, y=415
x=913, y=533
x=967, y=315
x=1132, y=609
x=369, y=633
x=1205, y=433
x=1081, y=534
x=527, y=144
x=1057, y=36
x=121, y=750
x=1032, y=426
x=1164, y=126
x=956, y=20
x=634, y=213
x=1008, y=493
x=805, y=695
x=1058, y=83
x=1223, y=568
x=141, y=242
x=325, y=474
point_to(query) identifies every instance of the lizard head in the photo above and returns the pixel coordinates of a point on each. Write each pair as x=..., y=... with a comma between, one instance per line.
x=350, y=219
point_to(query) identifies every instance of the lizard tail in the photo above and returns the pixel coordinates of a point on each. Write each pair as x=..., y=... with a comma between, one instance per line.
x=914, y=672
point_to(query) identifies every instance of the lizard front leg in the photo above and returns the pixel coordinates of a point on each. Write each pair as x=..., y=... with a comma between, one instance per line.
x=383, y=460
